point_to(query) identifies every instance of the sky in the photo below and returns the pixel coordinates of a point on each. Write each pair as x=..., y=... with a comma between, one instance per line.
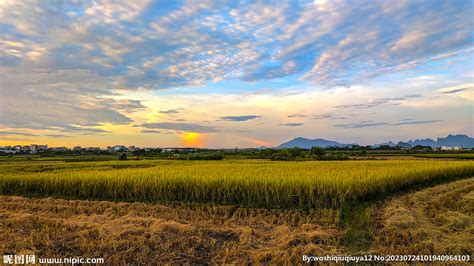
x=224, y=74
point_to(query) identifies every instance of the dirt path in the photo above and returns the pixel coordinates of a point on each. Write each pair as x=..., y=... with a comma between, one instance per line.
x=437, y=220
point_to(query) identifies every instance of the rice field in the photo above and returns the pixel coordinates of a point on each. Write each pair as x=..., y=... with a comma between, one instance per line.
x=251, y=183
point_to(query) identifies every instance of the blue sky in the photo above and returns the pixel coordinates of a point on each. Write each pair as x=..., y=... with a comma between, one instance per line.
x=234, y=73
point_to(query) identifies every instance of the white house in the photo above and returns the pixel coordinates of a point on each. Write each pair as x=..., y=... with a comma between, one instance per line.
x=448, y=148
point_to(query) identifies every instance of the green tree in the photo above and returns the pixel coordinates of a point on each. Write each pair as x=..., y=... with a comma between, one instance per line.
x=295, y=152
x=318, y=152
x=139, y=152
x=266, y=153
x=422, y=148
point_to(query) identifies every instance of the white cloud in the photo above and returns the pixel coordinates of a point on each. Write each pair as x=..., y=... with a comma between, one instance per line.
x=326, y=42
x=76, y=56
x=66, y=100
x=465, y=91
x=107, y=11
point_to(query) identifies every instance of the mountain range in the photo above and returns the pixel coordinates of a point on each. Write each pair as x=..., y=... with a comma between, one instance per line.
x=450, y=140
x=305, y=143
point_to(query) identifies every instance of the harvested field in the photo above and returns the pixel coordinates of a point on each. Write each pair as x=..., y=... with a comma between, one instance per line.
x=437, y=220
x=125, y=233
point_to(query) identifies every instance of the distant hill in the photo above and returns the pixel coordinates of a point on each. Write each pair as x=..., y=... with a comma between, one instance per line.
x=423, y=142
x=450, y=140
x=456, y=140
x=305, y=143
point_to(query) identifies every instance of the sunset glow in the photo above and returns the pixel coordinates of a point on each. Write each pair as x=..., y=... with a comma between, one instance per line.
x=192, y=139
